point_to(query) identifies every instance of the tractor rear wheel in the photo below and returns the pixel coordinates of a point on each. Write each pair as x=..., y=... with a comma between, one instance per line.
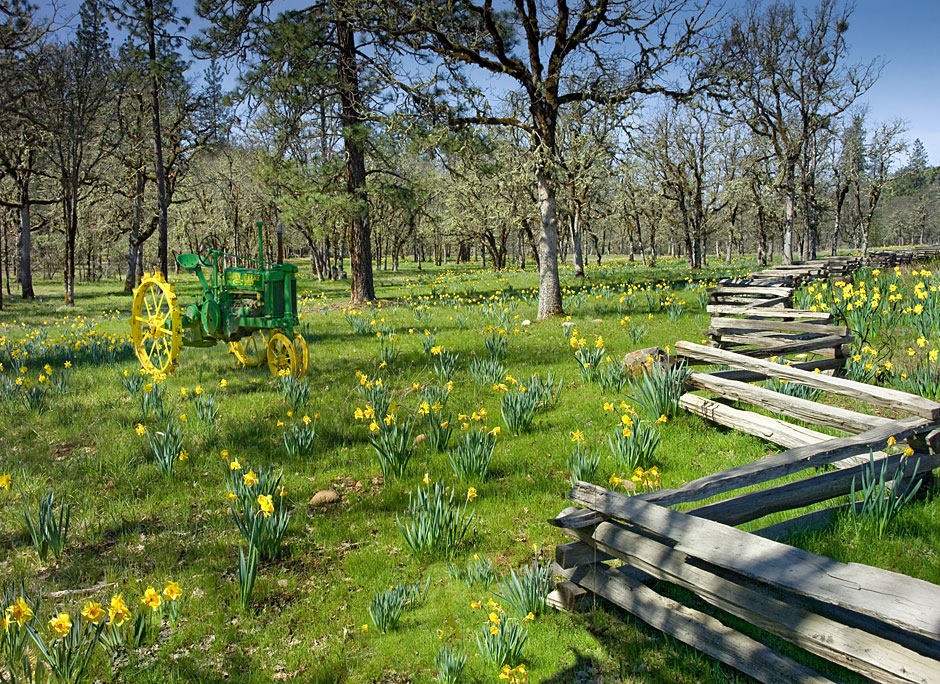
x=156, y=325
x=282, y=359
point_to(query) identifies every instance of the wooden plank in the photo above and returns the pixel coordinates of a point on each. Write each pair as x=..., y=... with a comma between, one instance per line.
x=567, y=596
x=576, y=553
x=813, y=521
x=879, y=396
x=746, y=507
x=779, y=326
x=785, y=405
x=888, y=596
x=784, y=281
x=576, y=519
x=722, y=310
x=753, y=291
x=787, y=462
x=871, y=655
x=776, y=431
x=764, y=338
x=750, y=376
x=739, y=300
x=699, y=630
x=782, y=348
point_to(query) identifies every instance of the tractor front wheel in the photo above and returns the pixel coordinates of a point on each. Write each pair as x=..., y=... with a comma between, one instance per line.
x=156, y=325
x=251, y=351
x=282, y=359
x=303, y=355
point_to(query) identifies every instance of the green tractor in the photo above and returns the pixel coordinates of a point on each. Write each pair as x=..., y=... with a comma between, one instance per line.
x=254, y=310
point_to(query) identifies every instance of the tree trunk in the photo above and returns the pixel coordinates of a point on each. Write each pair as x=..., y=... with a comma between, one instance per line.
x=787, y=253
x=362, y=287
x=576, y=251
x=26, y=268
x=549, y=285
x=162, y=237
x=70, y=231
x=133, y=240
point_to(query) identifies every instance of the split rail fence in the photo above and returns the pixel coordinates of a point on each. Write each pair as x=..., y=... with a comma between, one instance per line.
x=880, y=624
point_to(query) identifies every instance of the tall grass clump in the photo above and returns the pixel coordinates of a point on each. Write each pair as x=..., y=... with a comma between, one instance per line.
x=526, y=592
x=433, y=524
x=518, y=409
x=47, y=530
x=656, y=393
x=633, y=445
x=470, y=458
x=882, y=498
x=394, y=445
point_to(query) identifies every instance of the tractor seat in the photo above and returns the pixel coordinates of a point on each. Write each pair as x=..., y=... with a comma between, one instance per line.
x=192, y=261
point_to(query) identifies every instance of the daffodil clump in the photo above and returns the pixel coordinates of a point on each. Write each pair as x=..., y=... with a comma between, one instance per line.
x=479, y=570
x=882, y=495
x=295, y=392
x=387, y=606
x=470, y=458
x=299, y=434
x=258, y=505
x=72, y=340
x=632, y=441
x=501, y=639
x=439, y=427
x=433, y=523
x=582, y=464
x=392, y=438
x=588, y=356
x=526, y=592
x=68, y=640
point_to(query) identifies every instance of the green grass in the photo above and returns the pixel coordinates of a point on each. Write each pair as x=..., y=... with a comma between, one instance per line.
x=133, y=527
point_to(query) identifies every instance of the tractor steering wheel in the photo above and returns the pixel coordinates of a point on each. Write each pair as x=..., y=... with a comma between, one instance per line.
x=209, y=243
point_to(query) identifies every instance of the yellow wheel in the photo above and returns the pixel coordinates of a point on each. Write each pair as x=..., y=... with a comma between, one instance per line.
x=156, y=325
x=303, y=355
x=252, y=350
x=281, y=355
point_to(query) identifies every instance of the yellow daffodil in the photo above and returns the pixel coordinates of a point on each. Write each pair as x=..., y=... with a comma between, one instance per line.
x=471, y=494
x=172, y=591
x=266, y=505
x=117, y=611
x=235, y=465
x=892, y=441
x=151, y=598
x=250, y=479
x=427, y=478
x=5, y=481
x=140, y=430
x=93, y=612
x=20, y=612
x=60, y=625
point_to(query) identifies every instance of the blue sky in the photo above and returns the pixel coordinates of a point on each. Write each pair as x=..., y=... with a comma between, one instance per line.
x=904, y=33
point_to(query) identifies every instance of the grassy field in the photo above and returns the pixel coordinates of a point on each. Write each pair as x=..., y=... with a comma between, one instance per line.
x=308, y=618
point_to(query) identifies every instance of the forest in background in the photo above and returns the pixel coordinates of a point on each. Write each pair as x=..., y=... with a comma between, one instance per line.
x=520, y=136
